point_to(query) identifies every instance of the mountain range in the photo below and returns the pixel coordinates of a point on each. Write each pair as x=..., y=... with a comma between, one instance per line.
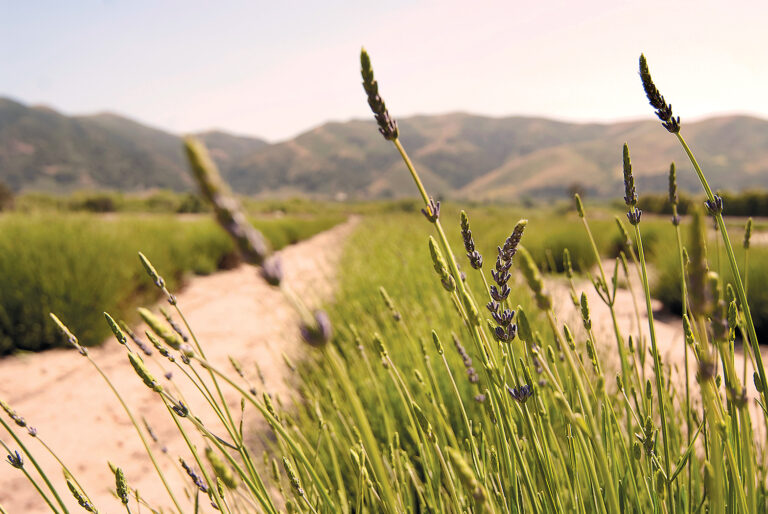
x=459, y=156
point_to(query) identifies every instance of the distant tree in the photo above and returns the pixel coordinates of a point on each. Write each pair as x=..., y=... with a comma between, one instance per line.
x=6, y=197
x=192, y=203
x=576, y=188
x=99, y=203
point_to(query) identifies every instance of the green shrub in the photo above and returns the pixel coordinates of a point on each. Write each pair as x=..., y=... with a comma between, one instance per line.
x=81, y=265
x=666, y=287
x=6, y=197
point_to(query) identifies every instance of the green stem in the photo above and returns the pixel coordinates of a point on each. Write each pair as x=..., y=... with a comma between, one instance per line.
x=684, y=298
x=40, y=491
x=211, y=484
x=656, y=364
x=229, y=422
x=412, y=169
x=597, y=442
x=616, y=330
x=464, y=416
x=256, y=487
x=36, y=465
x=199, y=348
x=740, y=291
x=32, y=481
x=63, y=466
x=295, y=448
x=138, y=431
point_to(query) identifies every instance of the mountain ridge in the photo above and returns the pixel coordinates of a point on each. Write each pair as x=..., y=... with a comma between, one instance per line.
x=459, y=154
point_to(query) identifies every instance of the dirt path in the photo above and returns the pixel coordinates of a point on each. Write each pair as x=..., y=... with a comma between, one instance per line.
x=232, y=312
x=668, y=328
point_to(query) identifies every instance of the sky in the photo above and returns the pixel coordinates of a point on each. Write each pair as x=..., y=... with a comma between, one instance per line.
x=276, y=69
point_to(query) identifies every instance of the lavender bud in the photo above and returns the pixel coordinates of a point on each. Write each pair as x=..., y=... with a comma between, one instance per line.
x=634, y=215
x=320, y=333
x=567, y=263
x=387, y=126
x=196, y=479
x=512, y=242
x=175, y=326
x=12, y=414
x=672, y=184
x=747, y=233
x=630, y=195
x=663, y=110
x=119, y=335
x=585, y=312
x=505, y=334
x=143, y=372
x=432, y=213
x=16, y=460
x=579, y=205
x=121, y=486
x=504, y=318
x=714, y=206
x=500, y=294
x=80, y=497
x=475, y=259
x=438, y=344
x=272, y=270
x=522, y=393
x=170, y=337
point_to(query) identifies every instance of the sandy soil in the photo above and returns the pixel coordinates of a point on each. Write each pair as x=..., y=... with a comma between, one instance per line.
x=668, y=328
x=232, y=312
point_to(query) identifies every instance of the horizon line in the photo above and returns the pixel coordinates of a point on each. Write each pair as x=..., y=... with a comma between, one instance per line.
x=274, y=141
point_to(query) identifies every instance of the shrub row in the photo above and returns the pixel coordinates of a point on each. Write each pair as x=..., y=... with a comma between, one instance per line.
x=79, y=265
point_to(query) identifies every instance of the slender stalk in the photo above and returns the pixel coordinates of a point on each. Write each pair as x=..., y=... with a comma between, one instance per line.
x=211, y=484
x=36, y=465
x=660, y=392
x=740, y=291
x=63, y=466
x=138, y=431
x=229, y=422
x=33, y=482
x=40, y=491
x=684, y=298
x=438, y=226
x=464, y=416
x=610, y=303
x=294, y=447
x=597, y=442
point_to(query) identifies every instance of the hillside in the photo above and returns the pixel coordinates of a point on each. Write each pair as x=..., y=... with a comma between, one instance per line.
x=43, y=150
x=459, y=155
x=467, y=156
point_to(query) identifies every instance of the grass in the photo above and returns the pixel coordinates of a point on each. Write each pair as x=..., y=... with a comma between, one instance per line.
x=77, y=265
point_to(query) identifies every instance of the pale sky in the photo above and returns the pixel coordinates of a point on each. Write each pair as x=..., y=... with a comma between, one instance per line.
x=275, y=69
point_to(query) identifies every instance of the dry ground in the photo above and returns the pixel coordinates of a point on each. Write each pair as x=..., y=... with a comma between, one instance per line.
x=233, y=313
x=668, y=328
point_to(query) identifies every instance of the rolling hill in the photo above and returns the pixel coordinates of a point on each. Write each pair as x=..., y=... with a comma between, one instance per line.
x=459, y=155
x=43, y=150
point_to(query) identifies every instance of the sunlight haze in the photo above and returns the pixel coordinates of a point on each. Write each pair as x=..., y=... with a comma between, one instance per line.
x=276, y=69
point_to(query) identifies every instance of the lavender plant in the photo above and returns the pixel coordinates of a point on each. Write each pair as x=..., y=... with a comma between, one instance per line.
x=521, y=413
